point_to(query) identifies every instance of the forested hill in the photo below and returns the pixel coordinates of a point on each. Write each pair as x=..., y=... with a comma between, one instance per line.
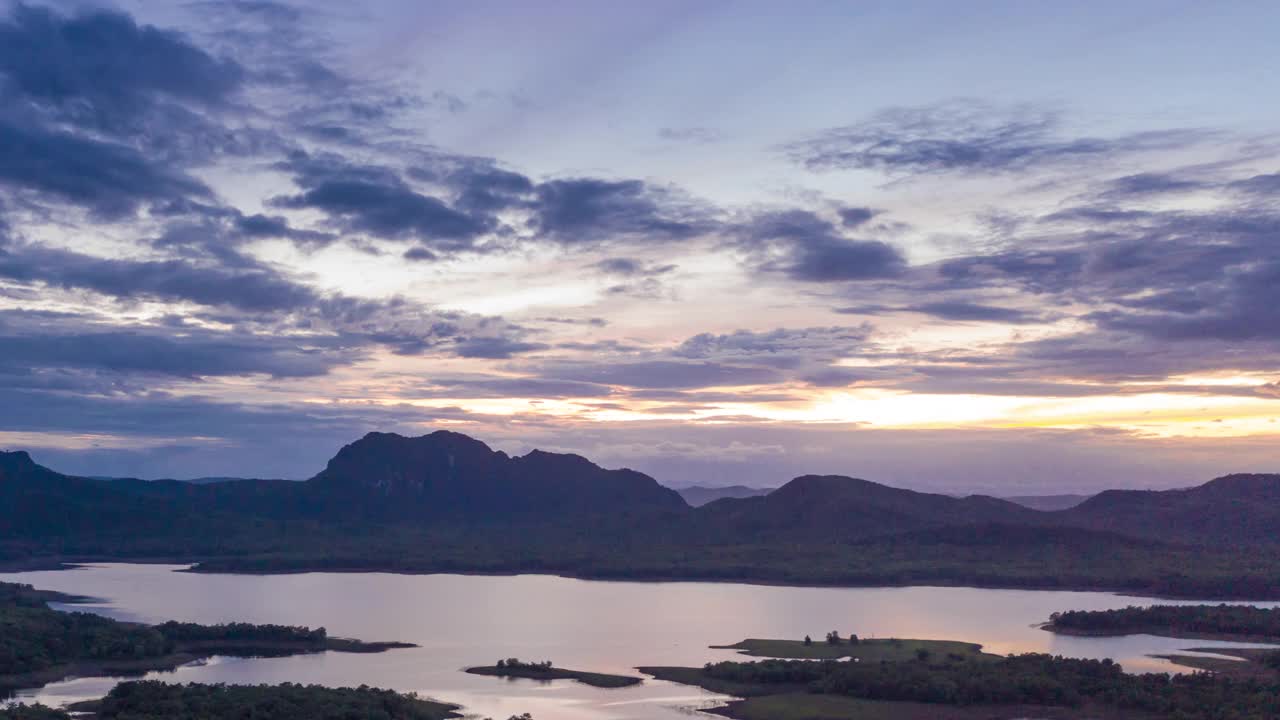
x=451, y=475
x=448, y=502
x=836, y=508
x=1230, y=510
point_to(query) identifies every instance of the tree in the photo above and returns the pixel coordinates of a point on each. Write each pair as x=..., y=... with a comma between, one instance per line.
x=833, y=638
x=853, y=639
x=808, y=641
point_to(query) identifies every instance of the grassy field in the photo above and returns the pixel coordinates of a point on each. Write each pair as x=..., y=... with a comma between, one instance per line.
x=886, y=649
x=600, y=680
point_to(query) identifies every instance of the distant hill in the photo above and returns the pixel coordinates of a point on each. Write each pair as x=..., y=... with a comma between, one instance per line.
x=1048, y=503
x=838, y=508
x=445, y=502
x=1231, y=510
x=193, y=481
x=450, y=475
x=440, y=477
x=699, y=495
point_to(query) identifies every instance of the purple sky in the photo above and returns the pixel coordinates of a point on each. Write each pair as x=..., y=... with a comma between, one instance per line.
x=999, y=247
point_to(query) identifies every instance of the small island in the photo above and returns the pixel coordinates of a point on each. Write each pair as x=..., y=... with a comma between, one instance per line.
x=1239, y=623
x=516, y=668
x=926, y=684
x=834, y=647
x=40, y=645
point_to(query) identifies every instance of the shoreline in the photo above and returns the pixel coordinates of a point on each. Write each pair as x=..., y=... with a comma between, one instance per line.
x=1163, y=632
x=183, y=654
x=193, y=567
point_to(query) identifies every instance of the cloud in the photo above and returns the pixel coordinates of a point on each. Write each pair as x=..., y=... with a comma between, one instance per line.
x=109, y=179
x=661, y=374
x=494, y=348
x=254, y=290
x=970, y=137
x=691, y=135
x=376, y=200
x=1268, y=184
x=590, y=211
x=790, y=345
x=187, y=353
x=100, y=69
x=630, y=267
x=955, y=310
x=805, y=247
x=852, y=217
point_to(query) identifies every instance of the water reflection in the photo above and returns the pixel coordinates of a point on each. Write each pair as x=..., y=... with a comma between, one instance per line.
x=602, y=626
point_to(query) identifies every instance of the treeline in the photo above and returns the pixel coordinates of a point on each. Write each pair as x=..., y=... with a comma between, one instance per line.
x=155, y=700
x=1243, y=620
x=1031, y=679
x=179, y=632
x=1161, y=570
x=17, y=594
x=34, y=637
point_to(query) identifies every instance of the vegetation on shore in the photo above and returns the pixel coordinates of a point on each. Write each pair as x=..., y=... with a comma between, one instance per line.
x=975, y=686
x=39, y=645
x=515, y=668
x=1243, y=623
x=834, y=647
x=154, y=700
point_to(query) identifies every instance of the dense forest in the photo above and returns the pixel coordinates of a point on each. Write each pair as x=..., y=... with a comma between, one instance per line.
x=154, y=700
x=1241, y=621
x=35, y=637
x=1031, y=679
x=191, y=632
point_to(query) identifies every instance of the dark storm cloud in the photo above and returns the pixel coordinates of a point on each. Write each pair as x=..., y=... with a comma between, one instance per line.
x=803, y=246
x=968, y=136
x=588, y=211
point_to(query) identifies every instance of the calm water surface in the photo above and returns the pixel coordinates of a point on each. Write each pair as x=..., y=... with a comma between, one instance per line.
x=463, y=620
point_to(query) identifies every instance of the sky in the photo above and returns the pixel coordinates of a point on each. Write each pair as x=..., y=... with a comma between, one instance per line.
x=1009, y=248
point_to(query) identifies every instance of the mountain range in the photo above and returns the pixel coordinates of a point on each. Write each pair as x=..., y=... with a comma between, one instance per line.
x=451, y=502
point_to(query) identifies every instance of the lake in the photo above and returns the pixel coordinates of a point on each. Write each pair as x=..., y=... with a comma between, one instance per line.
x=464, y=620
